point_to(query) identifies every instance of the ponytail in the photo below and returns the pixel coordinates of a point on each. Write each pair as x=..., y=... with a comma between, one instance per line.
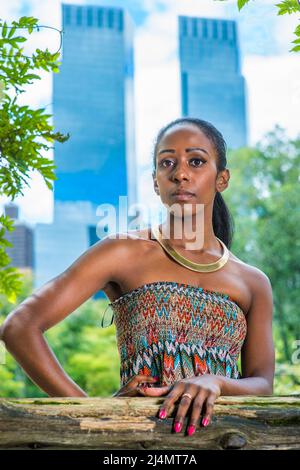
x=222, y=220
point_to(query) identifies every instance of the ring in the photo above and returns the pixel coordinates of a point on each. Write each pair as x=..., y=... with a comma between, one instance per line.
x=187, y=395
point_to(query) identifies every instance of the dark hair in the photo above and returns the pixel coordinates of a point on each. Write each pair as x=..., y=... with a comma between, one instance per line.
x=223, y=223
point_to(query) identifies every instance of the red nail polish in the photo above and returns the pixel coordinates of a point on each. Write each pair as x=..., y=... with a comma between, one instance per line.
x=191, y=429
x=177, y=426
x=205, y=421
x=162, y=414
x=156, y=377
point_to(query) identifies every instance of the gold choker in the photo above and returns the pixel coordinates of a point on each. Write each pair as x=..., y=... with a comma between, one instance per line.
x=199, y=267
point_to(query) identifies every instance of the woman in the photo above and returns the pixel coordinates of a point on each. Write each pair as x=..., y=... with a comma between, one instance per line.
x=182, y=314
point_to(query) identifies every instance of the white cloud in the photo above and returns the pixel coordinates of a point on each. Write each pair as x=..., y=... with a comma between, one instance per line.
x=274, y=93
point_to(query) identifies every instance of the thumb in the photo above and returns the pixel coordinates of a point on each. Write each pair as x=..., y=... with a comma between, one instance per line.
x=154, y=392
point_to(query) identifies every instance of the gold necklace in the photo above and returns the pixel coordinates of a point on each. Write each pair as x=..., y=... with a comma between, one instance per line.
x=199, y=267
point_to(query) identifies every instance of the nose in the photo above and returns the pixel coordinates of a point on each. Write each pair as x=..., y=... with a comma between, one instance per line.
x=180, y=172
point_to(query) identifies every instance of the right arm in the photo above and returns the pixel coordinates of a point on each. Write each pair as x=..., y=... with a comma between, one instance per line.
x=22, y=330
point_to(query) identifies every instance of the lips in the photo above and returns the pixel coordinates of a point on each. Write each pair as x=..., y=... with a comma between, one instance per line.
x=182, y=195
x=182, y=192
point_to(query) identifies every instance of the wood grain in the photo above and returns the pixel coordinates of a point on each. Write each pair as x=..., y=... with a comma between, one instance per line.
x=239, y=422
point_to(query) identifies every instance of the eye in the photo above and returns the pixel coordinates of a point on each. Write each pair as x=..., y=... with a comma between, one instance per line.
x=164, y=161
x=198, y=160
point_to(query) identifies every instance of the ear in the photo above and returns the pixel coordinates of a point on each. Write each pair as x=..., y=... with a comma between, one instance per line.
x=222, y=181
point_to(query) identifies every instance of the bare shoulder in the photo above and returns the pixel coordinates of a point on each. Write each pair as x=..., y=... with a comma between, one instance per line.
x=128, y=244
x=257, y=280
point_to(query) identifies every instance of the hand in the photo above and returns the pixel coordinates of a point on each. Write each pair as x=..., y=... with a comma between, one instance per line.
x=131, y=389
x=204, y=389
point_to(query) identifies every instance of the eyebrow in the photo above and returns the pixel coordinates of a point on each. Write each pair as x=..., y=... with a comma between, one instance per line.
x=190, y=149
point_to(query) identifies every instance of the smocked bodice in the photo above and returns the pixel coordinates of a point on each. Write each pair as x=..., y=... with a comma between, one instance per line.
x=176, y=330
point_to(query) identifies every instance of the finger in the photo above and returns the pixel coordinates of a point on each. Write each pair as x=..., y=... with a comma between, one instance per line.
x=137, y=379
x=197, y=407
x=154, y=392
x=209, y=406
x=185, y=403
x=168, y=405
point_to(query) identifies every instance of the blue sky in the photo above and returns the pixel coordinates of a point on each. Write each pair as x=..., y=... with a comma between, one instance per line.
x=271, y=72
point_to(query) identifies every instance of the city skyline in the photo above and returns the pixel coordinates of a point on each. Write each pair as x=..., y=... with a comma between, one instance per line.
x=265, y=62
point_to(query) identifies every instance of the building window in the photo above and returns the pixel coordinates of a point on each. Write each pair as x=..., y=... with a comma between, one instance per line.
x=224, y=30
x=120, y=22
x=183, y=27
x=100, y=18
x=215, y=30
x=234, y=31
x=67, y=15
x=204, y=29
x=110, y=18
x=79, y=16
x=184, y=93
x=90, y=17
x=195, y=27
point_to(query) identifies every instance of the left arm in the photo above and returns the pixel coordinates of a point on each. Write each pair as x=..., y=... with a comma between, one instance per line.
x=258, y=354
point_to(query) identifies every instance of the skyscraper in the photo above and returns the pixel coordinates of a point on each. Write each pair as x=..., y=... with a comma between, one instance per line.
x=212, y=87
x=93, y=101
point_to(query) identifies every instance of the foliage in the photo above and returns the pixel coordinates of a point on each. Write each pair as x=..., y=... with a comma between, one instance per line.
x=265, y=207
x=25, y=133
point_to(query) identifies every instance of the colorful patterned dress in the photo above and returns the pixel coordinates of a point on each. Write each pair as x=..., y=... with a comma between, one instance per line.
x=174, y=330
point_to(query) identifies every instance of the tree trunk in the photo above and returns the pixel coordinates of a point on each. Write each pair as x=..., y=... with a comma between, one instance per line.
x=239, y=422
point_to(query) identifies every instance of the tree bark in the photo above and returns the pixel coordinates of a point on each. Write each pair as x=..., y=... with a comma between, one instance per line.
x=239, y=422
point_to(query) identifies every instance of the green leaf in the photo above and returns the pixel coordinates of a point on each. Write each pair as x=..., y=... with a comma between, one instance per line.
x=242, y=3
x=32, y=76
x=288, y=6
x=4, y=30
x=297, y=30
x=20, y=39
x=12, y=31
x=295, y=49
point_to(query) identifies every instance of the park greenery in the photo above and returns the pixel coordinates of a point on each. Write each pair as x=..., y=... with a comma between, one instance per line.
x=26, y=134
x=262, y=197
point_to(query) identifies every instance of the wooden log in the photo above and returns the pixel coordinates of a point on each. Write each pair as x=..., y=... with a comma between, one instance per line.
x=239, y=422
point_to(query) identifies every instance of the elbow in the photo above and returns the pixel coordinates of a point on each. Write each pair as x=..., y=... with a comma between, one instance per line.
x=12, y=328
x=7, y=331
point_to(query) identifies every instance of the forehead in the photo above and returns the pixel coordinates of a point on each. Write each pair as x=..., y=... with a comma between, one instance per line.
x=186, y=135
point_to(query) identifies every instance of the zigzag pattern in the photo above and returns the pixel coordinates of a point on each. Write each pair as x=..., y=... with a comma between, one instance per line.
x=176, y=330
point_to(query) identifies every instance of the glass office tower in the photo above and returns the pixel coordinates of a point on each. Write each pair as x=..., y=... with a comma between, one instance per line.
x=212, y=87
x=93, y=101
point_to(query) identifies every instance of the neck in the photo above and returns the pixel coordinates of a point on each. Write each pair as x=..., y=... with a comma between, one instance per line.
x=194, y=231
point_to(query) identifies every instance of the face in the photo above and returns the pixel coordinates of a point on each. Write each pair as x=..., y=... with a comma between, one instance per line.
x=186, y=159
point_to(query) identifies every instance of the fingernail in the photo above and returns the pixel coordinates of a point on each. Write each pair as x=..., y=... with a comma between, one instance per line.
x=156, y=377
x=162, y=414
x=205, y=421
x=191, y=429
x=177, y=426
